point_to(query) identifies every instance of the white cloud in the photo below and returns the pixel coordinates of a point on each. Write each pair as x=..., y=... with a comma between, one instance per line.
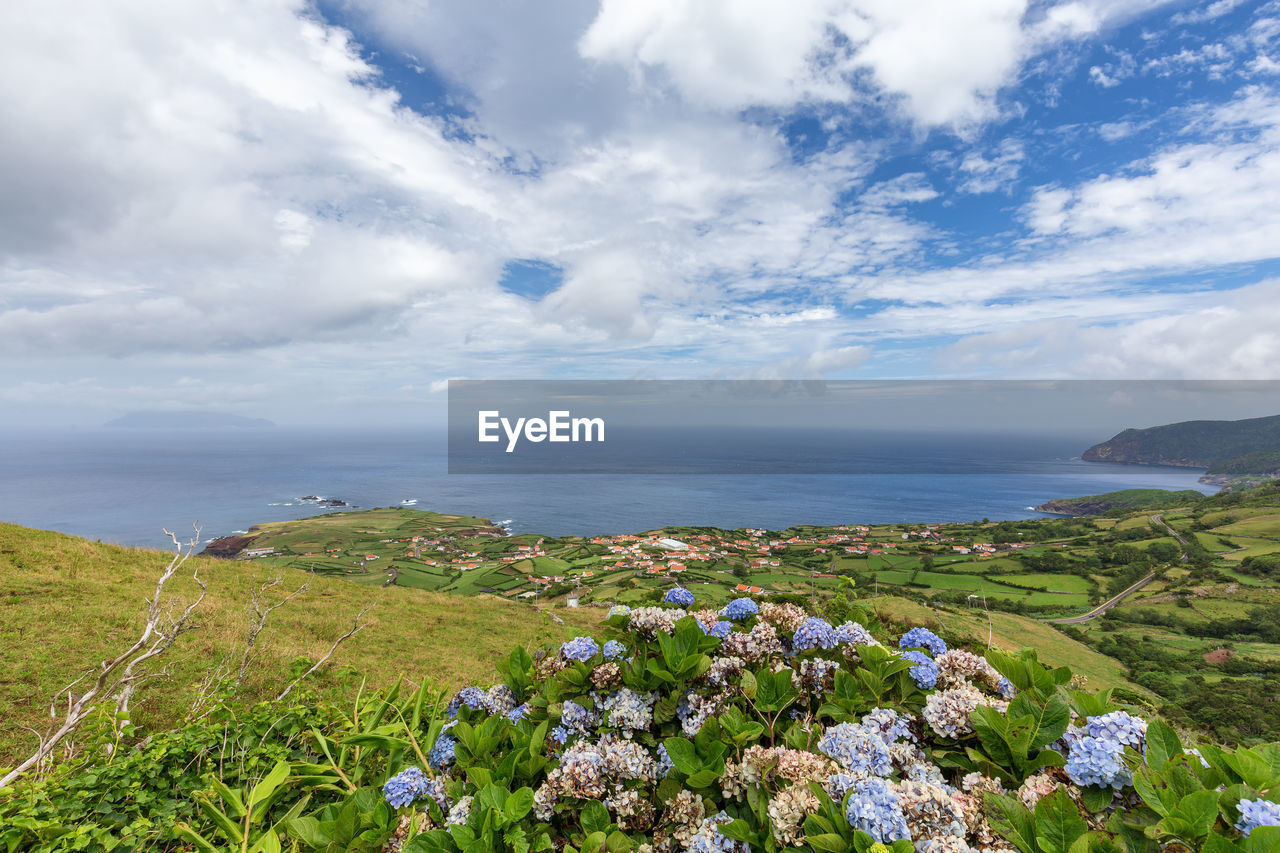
x=238, y=191
x=997, y=171
x=1213, y=10
x=1234, y=338
x=944, y=61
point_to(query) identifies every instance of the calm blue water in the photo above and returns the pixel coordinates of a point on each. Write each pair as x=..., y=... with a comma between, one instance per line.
x=124, y=486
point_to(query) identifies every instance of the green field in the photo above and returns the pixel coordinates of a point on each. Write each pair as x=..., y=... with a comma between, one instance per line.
x=68, y=604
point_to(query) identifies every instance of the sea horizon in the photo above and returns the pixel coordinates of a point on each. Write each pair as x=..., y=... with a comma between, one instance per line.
x=127, y=486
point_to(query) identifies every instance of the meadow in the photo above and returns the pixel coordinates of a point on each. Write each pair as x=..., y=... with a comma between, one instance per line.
x=66, y=604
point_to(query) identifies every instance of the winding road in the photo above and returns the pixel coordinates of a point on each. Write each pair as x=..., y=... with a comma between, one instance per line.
x=1106, y=605
x=1158, y=518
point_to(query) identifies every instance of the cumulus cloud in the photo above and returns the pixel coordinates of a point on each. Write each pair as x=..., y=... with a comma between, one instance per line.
x=251, y=191
x=1234, y=339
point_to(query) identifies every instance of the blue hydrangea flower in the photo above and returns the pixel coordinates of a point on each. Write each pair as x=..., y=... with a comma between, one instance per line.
x=925, y=671
x=441, y=754
x=858, y=749
x=518, y=713
x=923, y=638
x=814, y=633
x=613, y=650
x=739, y=609
x=1118, y=726
x=891, y=725
x=575, y=717
x=707, y=838
x=874, y=808
x=619, y=610
x=407, y=786
x=852, y=633
x=679, y=596
x=1256, y=813
x=1097, y=761
x=665, y=764
x=1006, y=689
x=721, y=629
x=580, y=648
x=472, y=697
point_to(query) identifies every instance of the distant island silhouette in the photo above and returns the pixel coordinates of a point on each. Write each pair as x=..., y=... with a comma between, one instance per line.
x=185, y=420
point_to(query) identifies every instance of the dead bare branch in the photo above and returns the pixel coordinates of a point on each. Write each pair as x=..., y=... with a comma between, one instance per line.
x=259, y=614
x=117, y=677
x=355, y=629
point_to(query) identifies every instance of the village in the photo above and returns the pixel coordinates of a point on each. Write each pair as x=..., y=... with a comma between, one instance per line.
x=409, y=547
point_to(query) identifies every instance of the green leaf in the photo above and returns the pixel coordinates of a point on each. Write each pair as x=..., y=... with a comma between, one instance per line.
x=1096, y=798
x=828, y=842
x=618, y=842
x=595, y=819
x=265, y=788
x=1153, y=792
x=1096, y=842
x=231, y=797
x=184, y=831
x=1255, y=770
x=737, y=830
x=1264, y=839
x=308, y=830
x=683, y=755
x=519, y=804
x=228, y=827
x=1215, y=843
x=703, y=778
x=1013, y=820
x=268, y=843
x=1200, y=810
x=1058, y=823
x=1162, y=743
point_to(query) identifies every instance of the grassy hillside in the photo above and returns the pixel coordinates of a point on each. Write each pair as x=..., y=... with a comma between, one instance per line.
x=66, y=604
x=1123, y=501
x=1195, y=444
x=1009, y=632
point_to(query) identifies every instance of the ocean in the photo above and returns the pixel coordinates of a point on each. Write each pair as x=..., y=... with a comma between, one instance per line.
x=126, y=486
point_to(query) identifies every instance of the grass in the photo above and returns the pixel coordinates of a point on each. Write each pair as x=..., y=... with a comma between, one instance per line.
x=1251, y=548
x=67, y=603
x=1257, y=525
x=1010, y=633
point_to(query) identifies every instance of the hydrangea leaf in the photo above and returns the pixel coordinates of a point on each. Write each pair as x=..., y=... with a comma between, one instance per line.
x=1263, y=839
x=1012, y=820
x=1162, y=743
x=1058, y=823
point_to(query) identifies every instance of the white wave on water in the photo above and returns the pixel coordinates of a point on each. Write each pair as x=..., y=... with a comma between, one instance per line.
x=506, y=524
x=280, y=504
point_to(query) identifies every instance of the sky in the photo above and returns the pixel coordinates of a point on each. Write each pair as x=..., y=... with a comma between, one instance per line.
x=321, y=212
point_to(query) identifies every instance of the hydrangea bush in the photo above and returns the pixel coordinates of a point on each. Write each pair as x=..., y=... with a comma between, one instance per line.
x=767, y=728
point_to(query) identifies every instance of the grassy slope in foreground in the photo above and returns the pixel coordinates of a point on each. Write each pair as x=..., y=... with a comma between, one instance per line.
x=67, y=603
x=1125, y=500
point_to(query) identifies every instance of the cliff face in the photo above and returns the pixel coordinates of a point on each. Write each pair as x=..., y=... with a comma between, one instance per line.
x=1190, y=444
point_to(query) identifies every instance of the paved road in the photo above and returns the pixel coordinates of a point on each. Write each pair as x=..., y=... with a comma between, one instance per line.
x=1110, y=603
x=1106, y=605
x=1158, y=518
